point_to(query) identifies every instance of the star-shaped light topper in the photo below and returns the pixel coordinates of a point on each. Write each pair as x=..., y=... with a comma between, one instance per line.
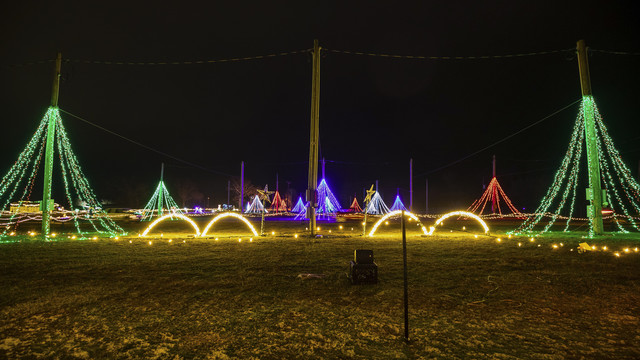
x=264, y=195
x=370, y=193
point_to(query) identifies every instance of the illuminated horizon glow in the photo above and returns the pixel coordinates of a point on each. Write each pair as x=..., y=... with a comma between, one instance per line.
x=228, y=214
x=171, y=215
x=393, y=213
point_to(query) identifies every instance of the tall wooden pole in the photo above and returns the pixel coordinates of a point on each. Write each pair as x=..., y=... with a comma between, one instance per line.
x=45, y=205
x=411, y=184
x=314, y=138
x=161, y=192
x=241, y=187
x=494, y=194
x=426, y=188
x=594, y=192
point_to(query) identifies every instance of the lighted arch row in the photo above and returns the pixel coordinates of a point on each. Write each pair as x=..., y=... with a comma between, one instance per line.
x=393, y=213
x=459, y=213
x=227, y=214
x=172, y=215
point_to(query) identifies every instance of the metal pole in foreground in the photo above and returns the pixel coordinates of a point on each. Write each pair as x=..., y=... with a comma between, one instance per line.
x=406, y=286
x=48, y=163
x=594, y=192
x=314, y=139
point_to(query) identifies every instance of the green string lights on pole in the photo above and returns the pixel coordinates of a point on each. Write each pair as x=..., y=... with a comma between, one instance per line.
x=605, y=170
x=77, y=190
x=160, y=200
x=49, y=136
x=617, y=180
x=45, y=205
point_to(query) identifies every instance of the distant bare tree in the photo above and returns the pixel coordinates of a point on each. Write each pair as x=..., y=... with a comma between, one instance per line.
x=250, y=190
x=187, y=192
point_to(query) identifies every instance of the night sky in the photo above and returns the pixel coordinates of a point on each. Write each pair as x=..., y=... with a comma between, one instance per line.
x=375, y=113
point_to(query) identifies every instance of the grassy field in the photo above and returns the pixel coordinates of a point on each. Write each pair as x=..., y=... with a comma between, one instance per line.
x=183, y=298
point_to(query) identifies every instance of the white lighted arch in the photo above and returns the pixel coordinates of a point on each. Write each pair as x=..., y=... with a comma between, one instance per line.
x=393, y=213
x=460, y=213
x=227, y=214
x=164, y=217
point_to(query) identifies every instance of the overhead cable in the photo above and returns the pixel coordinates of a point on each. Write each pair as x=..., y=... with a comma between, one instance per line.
x=421, y=57
x=191, y=62
x=500, y=141
x=147, y=147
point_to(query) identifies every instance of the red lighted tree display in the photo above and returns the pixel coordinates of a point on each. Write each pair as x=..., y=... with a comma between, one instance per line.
x=493, y=194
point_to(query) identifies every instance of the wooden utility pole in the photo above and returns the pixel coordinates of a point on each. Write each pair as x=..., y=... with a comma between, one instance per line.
x=314, y=139
x=241, y=187
x=594, y=191
x=426, y=189
x=161, y=192
x=494, y=195
x=45, y=205
x=411, y=184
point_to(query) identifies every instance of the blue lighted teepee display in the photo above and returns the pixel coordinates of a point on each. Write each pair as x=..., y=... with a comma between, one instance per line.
x=327, y=202
x=398, y=205
x=300, y=206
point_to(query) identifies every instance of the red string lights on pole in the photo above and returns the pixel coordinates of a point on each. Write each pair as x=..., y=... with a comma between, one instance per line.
x=493, y=194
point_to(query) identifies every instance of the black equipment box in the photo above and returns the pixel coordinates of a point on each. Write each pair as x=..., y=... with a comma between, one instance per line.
x=363, y=270
x=363, y=256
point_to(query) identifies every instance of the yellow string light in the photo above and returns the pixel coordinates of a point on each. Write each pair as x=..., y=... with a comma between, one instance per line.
x=229, y=214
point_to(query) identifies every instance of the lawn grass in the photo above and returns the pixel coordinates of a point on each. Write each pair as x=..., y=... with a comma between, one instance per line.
x=182, y=297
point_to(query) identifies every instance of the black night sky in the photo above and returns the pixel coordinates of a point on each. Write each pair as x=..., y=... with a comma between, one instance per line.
x=375, y=113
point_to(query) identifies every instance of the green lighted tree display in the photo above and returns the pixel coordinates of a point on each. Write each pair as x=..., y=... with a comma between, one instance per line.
x=621, y=192
x=604, y=167
x=160, y=200
x=17, y=185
